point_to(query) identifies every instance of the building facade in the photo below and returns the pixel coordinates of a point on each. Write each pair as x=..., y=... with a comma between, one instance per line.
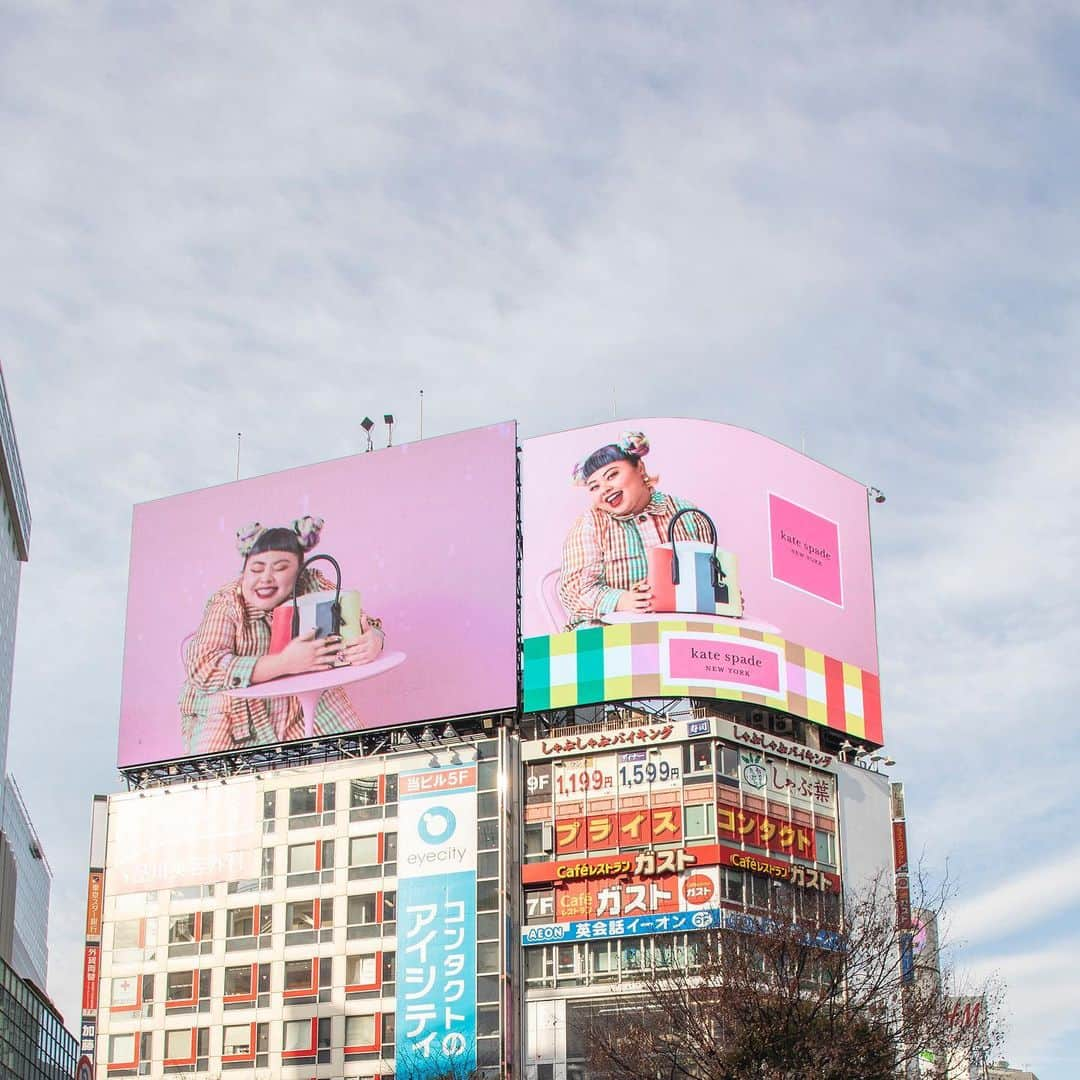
x=30, y=942
x=14, y=551
x=543, y=795
x=34, y=1044
x=279, y=924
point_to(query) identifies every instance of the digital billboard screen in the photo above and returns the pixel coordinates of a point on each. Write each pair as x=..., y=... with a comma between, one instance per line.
x=685, y=558
x=373, y=590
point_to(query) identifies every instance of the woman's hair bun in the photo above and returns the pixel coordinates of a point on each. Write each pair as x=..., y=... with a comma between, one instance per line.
x=308, y=529
x=634, y=444
x=246, y=537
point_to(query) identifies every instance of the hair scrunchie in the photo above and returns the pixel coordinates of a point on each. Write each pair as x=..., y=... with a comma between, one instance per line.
x=246, y=537
x=308, y=530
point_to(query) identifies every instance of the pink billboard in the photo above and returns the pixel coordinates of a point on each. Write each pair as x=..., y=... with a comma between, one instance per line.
x=369, y=591
x=667, y=557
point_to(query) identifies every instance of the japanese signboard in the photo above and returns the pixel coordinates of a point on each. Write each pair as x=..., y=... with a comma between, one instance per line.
x=91, y=976
x=436, y=996
x=94, y=897
x=628, y=828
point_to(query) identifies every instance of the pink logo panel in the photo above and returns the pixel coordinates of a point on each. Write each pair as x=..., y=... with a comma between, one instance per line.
x=805, y=550
x=710, y=659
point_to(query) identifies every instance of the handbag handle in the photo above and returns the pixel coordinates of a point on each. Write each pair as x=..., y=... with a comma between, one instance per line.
x=335, y=608
x=714, y=562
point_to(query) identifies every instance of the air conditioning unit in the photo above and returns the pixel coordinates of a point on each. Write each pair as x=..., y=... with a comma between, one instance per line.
x=547, y=837
x=782, y=725
x=759, y=720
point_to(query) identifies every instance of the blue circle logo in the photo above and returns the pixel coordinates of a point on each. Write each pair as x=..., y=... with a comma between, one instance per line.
x=437, y=825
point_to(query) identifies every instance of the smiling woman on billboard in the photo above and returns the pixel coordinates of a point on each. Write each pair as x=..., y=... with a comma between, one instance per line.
x=425, y=529
x=632, y=591
x=636, y=550
x=235, y=646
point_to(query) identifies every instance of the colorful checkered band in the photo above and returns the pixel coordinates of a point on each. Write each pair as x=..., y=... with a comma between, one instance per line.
x=616, y=663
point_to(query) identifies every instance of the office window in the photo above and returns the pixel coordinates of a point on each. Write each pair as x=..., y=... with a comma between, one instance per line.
x=364, y=791
x=299, y=976
x=298, y=1037
x=128, y=934
x=697, y=756
x=180, y=986
x=238, y=1040
x=303, y=800
x=125, y=992
x=727, y=763
x=180, y=1045
x=238, y=981
x=364, y=850
x=360, y=1032
x=240, y=922
x=363, y=909
x=825, y=843
x=699, y=820
x=300, y=915
x=361, y=970
x=301, y=858
x=122, y=1050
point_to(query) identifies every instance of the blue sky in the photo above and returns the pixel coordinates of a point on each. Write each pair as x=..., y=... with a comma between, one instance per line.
x=852, y=228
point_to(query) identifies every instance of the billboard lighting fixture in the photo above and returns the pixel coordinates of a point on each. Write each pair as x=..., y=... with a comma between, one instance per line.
x=427, y=736
x=367, y=424
x=388, y=420
x=449, y=732
x=876, y=494
x=433, y=763
x=888, y=763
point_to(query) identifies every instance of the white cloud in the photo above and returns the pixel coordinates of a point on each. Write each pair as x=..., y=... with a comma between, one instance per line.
x=1029, y=895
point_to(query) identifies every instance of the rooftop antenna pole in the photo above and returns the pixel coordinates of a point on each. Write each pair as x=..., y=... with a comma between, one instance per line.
x=238, y=434
x=421, y=414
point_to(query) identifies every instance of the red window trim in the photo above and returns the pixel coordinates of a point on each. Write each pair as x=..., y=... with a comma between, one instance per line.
x=311, y=1049
x=182, y=1061
x=256, y=925
x=377, y=984
x=312, y=988
x=183, y=1003
x=378, y=1035
x=253, y=986
x=250, y=1056
x=134, y=1063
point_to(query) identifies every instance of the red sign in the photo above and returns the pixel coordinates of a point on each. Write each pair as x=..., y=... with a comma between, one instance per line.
x=605, y=869
x=90, y=978
x=94, y=899
x=903, y=903
x=698, y=889
x=765, y=831
x=631, y=828
x=899, y=842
